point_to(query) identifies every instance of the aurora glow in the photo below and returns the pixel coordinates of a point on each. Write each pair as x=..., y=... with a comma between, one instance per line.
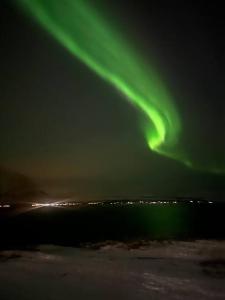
x=87, y=35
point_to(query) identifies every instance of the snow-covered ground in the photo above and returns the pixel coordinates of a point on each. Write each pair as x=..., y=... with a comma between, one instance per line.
x=154, y=270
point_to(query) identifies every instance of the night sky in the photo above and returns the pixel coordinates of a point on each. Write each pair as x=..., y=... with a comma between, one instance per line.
x=71, y=132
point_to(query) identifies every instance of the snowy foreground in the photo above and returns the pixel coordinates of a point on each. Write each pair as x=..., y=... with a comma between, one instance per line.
x=154, y=270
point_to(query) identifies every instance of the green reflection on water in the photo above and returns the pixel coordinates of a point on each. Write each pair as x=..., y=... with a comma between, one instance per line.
x=166, y=221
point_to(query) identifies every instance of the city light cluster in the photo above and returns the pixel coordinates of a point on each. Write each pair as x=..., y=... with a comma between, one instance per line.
x=114, y=203
x=154, y=202
x=4, y=205
x=54, y=204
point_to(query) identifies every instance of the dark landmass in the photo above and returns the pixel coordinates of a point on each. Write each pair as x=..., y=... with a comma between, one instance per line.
x=18, y=188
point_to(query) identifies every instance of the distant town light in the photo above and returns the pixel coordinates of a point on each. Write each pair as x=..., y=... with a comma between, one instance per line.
x=5, y=205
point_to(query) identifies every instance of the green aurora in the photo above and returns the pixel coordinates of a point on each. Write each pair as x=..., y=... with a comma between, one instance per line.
x=88, y=36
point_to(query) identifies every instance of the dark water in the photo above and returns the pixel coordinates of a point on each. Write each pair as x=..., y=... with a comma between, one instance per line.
x=77, y=226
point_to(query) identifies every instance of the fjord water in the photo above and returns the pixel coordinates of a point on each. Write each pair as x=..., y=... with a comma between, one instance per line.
x=91, y=224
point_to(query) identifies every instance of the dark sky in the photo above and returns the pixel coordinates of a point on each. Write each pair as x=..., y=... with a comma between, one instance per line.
x=69, y=131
